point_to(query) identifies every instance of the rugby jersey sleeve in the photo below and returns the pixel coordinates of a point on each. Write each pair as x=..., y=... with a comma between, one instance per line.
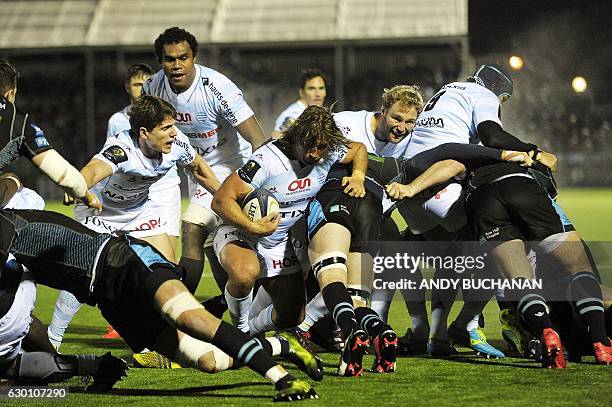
x=229, y=100
x=486, y=107
x=256, y=170
x=115, y=154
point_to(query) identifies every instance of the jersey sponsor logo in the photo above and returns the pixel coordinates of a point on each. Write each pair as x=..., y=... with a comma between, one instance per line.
x=95, y=221
x=247, y=171
x=205, y=81
x=149, y=225
x=285, y=262
x=207, y=134
x=299, y=184
x=205, y=151
x=183, y=117
x=115, y=154
x=298, y=213
x=449, y=86
x=491, y=234
x=339, y=208
x=431, y=122
x=230, y=116
x=41, y=142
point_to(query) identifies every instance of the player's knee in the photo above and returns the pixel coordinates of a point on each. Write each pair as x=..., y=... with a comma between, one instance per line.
x=242, y=273
x=176, y=310
x=201, y=355
x=330, y=267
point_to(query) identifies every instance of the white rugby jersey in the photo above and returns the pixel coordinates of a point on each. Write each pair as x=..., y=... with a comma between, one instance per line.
x=133, y=173
x=208, y=113
x=452, y=116
x=288, y=116
x=294, y=187
x=355, y=125
x=119, y=122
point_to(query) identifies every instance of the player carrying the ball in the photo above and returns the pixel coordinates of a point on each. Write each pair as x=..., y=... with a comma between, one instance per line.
x=293, y=168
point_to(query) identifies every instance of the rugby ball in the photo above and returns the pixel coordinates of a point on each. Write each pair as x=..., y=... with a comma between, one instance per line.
x=259, y=203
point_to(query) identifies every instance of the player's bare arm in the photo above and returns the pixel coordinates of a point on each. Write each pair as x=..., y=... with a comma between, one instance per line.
x=438, y=173
x=358, y=156
x=204, y=174
x=62, y=173
x=226, y=204
x=251, y=131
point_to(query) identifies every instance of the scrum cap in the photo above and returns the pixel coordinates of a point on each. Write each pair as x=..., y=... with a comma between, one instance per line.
x=495, y=78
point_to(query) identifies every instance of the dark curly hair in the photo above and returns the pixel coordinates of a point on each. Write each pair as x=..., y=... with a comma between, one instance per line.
x=173, y=35
x=315, y=128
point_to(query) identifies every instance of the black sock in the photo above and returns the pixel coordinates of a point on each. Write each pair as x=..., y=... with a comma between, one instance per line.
x=531, y=306
x=369, y=321
x=340, y=305
x=243, y=349
x=586, y=298
x=193, y=272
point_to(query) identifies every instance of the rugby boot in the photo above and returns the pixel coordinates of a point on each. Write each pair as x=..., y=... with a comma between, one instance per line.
x=603, y=354
x=291, y=389
x=308, y=362
x=552, y=350
x=351, y=361
x=385, y=351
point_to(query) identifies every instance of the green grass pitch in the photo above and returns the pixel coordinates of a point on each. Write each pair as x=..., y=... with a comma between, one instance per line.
x=466, y=380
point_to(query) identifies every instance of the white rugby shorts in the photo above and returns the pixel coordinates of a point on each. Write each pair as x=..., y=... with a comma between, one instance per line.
x=288, y=257
x=143, y=222
x=15, y=324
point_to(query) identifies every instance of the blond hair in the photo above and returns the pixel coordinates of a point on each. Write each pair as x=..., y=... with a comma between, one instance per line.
x=408, y=95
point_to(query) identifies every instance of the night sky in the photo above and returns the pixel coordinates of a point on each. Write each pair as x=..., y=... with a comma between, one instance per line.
x=569, y=37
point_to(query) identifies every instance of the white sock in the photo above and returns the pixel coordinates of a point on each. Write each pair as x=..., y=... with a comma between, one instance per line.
x=473, y=324
x=315, y=310
x=381, y=302
x=262, y=322
x=439, y=320
x=418, y=316
x=261, y=301
x=65, y=307
x=239, y=310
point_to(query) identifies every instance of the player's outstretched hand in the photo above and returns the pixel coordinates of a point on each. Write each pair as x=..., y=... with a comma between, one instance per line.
x=547, y=159
x=92, y=201
x=353, y=187
x=399, y=191
x=266, y=225
x=518, y=157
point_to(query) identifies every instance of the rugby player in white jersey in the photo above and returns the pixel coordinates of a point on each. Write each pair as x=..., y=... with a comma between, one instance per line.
x=221, y=127
x=293, y=168
x=121, y=175
x=165, y=194
x=455, y=114
x=312, y=91
x=384, y=133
